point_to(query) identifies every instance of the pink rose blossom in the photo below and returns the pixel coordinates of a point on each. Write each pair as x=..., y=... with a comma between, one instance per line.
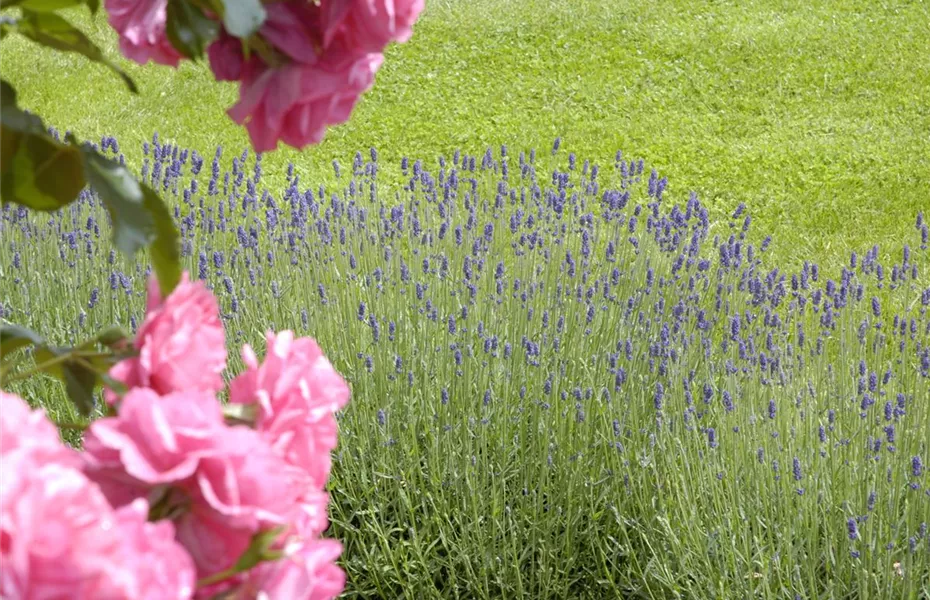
x=159, y=566
x=244, y=480
x=60, y=539
x=141, y=28
x=227, y=481
x=213, y=545
x=370, y=25
x=295, y=103
x=243, y=487
x=225, y=56
x=28, y=433
x=154, y=440
x=307, y=572
x=297, y=391
x=293, y=28
x=181, y=343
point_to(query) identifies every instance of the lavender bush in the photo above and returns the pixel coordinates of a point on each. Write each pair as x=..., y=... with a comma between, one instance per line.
x=563, y=384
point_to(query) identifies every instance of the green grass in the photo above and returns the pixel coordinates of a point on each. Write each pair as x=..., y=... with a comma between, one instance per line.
x=816, y=115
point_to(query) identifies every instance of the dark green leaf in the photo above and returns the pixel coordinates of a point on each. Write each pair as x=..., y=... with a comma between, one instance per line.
x=117, y=387
x=36, y=170
x=113, y=336
x=79, y=374
x=139, y=216
x=51, y=30
x=165, y=250
x=14, y=337
x=46, y=354
x=188, y=29
x=79, y=383
x=242, y=18
x=122, y=194
x=93, y=5
x=7, y=94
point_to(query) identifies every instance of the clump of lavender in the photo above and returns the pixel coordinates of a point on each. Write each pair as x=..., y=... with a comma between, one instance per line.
x=540, y=344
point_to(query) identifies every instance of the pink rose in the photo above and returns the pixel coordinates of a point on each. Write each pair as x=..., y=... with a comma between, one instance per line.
x=155, y=439
x=370, y=25
x=295, y=103
x=297, y=391
x=244, y=480
x=160, y=567
x=241, y=489
x=141, y=28
x=60, y=538
x=226, y=482
x=293, y=27
x=181, y=343
x=28, y=433
x=308, y=572
x=226, y=59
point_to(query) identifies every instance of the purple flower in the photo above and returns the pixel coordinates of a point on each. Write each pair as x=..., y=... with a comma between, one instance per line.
x=727, y=401
x=917, y=466
x=202, y=265
x=852, y=529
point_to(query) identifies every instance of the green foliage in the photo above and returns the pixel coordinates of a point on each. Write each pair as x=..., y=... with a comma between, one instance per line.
x=188, y=29
x=140, y=217
x=242, y=18
x=42, y=173
x=82, y=368
x=14, y=337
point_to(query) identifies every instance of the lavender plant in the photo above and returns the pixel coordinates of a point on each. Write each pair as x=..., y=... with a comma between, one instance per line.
x=564, y=384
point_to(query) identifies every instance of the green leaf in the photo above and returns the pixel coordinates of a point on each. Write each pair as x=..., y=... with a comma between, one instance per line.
x=80, y=382
x=7, y=94
x=93, y=5
x=259, y=549
x=122, y=194
x=80, y=374
x=165, y=249
x=36, y=170
x=242, y=18
x=113, y=336
x=188, y=29
x=46, y=354
x=14, y=337
x=52, y=31
x=139, y=216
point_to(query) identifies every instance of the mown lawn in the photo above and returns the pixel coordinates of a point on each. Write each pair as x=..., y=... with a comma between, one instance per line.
x=816, y=115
